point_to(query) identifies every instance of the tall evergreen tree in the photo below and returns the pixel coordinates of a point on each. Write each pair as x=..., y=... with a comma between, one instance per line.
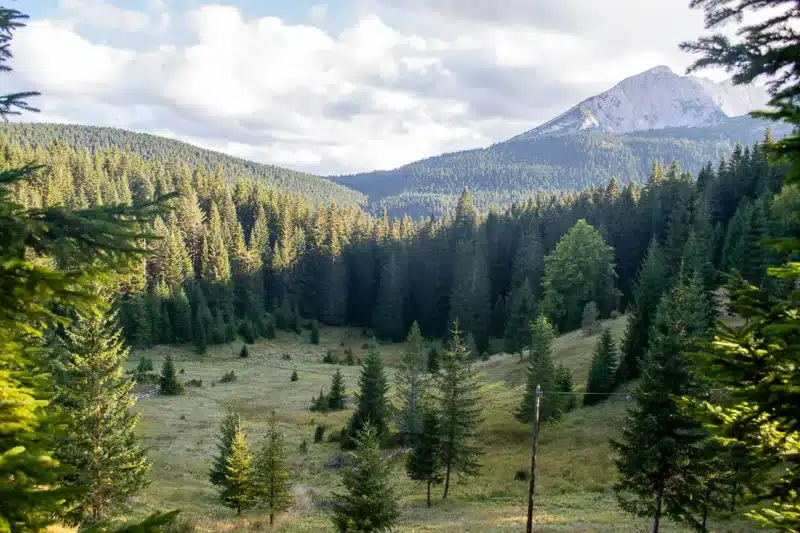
x=657, y=452
x=412, y=382
x=650, y=286
x=168, y=383
x=216, y=264
x=424, y=462
x=337, y=392
x=370, y=503
x=372, y=405
x=603, y=370
x=273, y=488
x=237, y=490
x=100, y=444
x=457, y=394
x=541, y=372
x=228, y=428
x=521, y=312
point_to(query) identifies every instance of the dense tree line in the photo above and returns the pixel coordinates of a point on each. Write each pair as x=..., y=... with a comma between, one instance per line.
x=247, y=260
x=162, y=151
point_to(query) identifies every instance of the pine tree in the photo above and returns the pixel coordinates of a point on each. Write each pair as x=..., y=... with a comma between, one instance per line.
x=656, y=452
x=100, y=442
x=244, y=352
x=237, y=490
x=603, y=370
x=424, y=461
x=228, y=428
x=650, y=286
x=411, y=381
x=216, y=265
x=521, y=312
x=168, y=383
x=335, y=398
x=564, y=385
x=370, y=503
x=541, y=372
x=458, y=398
x=273, y=487
x=372, y=402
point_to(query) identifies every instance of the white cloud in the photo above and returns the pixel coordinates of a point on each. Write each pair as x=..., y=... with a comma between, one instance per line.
x=380, y=93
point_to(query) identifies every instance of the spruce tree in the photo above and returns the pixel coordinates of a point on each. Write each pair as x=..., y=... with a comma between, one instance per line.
x=372, y=402
x=650, y=285
x=411, y=381
x=370, y=501
x=542, y=372
x=99, y=444
x=335, y=398
x=228, y=428
x=657, y=449
x=273, y=487
x=603, y=369
x=434, y=360
x=424, y=461
x=237, y=490
x=168, y=384
x=458, y=398
x=521, y=312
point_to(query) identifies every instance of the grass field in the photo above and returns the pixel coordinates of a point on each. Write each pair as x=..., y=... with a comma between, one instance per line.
x=574, y=473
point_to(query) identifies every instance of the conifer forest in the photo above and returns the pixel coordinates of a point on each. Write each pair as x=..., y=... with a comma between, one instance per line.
x=191, y=342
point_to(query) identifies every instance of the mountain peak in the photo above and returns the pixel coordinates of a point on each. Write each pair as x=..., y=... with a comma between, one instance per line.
x=655, y=99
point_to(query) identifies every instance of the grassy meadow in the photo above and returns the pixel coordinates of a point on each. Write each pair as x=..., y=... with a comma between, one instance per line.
x=575, y=470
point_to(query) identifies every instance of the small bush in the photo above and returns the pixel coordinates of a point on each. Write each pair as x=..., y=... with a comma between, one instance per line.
x=615, y=314
x=330, y=358
x=194, y=383
x=341, y=344
x=182, y=525
x=183, y=417
x=244, y=352
x=181, y=371
x=366, y=346
x=484, y=356
x=294, y=377
x=248, y=331
x=230, y=377
x=303, y=447
x=319, y=404
x=521, y=475
x=319, y=433
x=286, y=357
x=349, y=359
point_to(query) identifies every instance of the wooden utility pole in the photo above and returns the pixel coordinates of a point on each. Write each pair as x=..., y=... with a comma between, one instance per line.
x=533, y=459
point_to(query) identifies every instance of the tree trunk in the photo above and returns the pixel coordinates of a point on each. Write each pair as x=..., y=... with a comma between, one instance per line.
x=657, y=515
x=271, y=517
x=429, y=493
x=446, y=482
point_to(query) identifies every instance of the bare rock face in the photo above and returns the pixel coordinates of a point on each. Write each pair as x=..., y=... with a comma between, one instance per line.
x=655, y=99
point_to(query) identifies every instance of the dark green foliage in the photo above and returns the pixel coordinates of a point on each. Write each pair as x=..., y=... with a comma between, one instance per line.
x=564, y=386
x=269, y=327
x=337, y=392
x=273, y=487
x=168, y=381
x=228, y=377
x=521, y=312
x=144, y=371
x=330, y=358
x=424, y=461
x=228, y=428
x=294, y=377
x=457, y=394
x=319, y=404
x=603, y=370
x=100, y=439
x=194, y=383
x=657, y=454
x=372, y=404
x=412, y=382
x=303, y=449
x=370, y=501
x=434, y=360
x=314, y=335
x=589, y=323
x=541, y=372
x=650, y=286
x=319, y=433
x=244, y=352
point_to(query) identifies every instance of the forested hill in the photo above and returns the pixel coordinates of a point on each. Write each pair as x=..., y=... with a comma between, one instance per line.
x=162, y=149
x=510, y=170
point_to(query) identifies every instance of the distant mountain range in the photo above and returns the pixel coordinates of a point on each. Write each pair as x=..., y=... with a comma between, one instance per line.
x=654, y=116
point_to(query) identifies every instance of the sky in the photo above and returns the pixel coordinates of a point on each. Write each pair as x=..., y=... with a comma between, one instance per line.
x=341, y=86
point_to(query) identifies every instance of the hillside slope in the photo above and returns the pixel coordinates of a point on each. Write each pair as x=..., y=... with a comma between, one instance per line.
x=510, y=170
x=160, y=148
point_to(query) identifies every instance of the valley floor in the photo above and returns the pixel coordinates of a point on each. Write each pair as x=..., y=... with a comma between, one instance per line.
x=575, y=470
